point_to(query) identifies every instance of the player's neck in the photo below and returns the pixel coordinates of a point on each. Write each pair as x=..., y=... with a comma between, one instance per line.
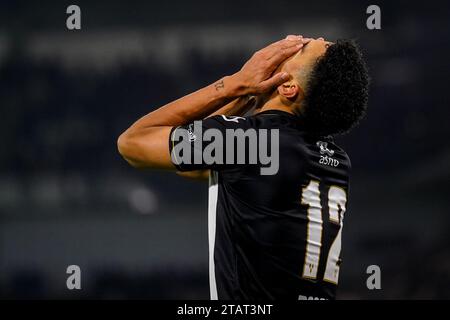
x=275, y=103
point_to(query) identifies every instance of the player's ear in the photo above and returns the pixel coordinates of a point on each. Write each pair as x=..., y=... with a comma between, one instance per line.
x=289, y=90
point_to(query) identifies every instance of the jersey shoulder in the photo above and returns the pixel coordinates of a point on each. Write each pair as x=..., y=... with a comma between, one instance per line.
x=328, y=154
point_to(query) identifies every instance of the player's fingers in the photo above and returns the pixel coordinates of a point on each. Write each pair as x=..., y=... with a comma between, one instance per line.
x=274, y=81
x=293, y=37
x=284, y=49
x=285, y=53
x=288, y=42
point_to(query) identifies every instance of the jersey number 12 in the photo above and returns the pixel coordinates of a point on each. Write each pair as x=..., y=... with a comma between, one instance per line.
x=337, y=198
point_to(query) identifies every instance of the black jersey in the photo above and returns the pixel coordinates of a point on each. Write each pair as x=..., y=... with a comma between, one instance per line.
x=273, y=236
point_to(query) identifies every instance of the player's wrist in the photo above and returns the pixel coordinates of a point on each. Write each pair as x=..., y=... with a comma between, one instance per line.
x=235, y=85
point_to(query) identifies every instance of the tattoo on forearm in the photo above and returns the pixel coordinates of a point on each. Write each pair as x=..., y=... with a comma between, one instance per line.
x=219, y=85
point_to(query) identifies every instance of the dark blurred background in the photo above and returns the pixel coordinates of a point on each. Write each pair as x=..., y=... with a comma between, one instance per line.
x=66, y=197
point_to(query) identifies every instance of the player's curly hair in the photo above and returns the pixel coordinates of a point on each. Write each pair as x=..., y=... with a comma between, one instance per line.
x=337, y=91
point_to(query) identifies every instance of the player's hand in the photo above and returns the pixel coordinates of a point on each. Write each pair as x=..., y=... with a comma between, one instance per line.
x=256, y=76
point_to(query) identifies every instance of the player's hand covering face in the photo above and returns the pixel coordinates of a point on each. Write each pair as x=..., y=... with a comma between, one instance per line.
x=306, y=57
x=256, y=76
x=300, y=64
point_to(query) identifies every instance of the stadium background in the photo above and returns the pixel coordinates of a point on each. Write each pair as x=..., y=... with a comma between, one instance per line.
x=66, y=197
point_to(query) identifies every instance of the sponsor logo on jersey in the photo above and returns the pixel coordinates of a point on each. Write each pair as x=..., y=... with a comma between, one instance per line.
x=323, y=146
x=326, y=155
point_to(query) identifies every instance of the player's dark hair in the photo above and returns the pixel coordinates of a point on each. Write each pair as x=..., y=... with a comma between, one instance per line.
x=337, y=91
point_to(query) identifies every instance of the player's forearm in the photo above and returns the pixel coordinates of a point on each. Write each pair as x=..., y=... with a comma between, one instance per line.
x=255, y=77
x=150, y=132
x=237, y=107
x=194, y=106
x=144, y=144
